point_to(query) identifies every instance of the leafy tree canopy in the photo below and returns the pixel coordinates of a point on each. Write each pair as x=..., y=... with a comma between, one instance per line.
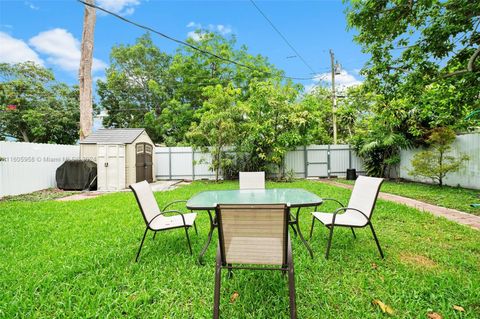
x=36, y=108
x=146, y=87
x=424, y=58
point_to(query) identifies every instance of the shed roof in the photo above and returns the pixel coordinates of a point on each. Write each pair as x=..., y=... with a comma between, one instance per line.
x=114, y=136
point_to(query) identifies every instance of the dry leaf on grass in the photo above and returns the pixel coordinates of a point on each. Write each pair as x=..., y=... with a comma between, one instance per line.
x=384, y=307
x=434, y=315
x=458, y=308
x=234, y=297
x=374, y=266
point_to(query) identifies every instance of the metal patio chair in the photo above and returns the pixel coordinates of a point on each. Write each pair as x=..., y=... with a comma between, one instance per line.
x=252, y=180
x=155, y=219
x=253, y=235
x=358, y=212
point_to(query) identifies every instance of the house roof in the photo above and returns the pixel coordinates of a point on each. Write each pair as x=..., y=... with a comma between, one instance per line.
x=114, y=136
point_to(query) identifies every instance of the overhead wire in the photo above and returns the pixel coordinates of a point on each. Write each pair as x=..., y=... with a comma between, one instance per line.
x=203, y=51
x=283, y=37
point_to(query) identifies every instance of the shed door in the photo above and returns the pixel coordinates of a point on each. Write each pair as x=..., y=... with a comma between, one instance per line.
x=111, y=167
x=143, y=162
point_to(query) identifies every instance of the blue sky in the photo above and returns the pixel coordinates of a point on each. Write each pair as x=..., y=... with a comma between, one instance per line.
x=49, y=32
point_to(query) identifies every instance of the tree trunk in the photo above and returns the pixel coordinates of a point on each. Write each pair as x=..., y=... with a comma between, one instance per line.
x=25, y=136
x=85, y=72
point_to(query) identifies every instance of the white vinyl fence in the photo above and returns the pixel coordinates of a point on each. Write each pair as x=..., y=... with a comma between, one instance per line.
x=28, y=167
x=310, y=161
x=468, y=176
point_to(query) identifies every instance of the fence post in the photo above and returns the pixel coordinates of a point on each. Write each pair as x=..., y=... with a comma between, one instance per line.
x=170, y=163
x=349, y=156
x=328, y=160
x=305, y=161
x=193, y=164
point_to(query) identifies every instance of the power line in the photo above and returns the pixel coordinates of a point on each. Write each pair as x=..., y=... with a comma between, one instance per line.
x=190, y=45
x=283, y=37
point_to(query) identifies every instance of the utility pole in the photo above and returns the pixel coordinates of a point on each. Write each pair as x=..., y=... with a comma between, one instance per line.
x=334, y=98
x=85, y=72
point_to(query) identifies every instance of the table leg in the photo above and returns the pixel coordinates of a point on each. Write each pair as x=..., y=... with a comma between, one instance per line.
x=213, y=225
x=301, y=235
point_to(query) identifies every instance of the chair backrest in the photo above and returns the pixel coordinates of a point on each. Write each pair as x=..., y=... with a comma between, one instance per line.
x=253, y=234
x=252, y=180
x=364, y=194
x=146, y=201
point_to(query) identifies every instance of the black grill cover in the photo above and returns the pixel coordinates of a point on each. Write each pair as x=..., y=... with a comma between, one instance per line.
x=77, y=175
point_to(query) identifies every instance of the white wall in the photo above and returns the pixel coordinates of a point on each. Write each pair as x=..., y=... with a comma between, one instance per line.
x=29, y=167
x=468, y=176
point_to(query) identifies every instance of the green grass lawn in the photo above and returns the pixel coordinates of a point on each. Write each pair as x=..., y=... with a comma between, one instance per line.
x=446, y=196
x=76, y=259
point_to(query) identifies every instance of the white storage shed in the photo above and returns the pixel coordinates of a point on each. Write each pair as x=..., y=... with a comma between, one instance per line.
x=123, y=156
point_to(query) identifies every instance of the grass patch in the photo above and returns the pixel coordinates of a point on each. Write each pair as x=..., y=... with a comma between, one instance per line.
x=39, y=196
x=446, y=196
x=76, y=259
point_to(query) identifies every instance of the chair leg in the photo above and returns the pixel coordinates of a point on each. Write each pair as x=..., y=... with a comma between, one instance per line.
x=311, y=229
x=329, y=242
x=294, y=230
x=230, y=273
x=216, y=295
x=195, y=226
x=154, y=234
x=353, y=232
x=188, y=241
x=376, y=241
x=141, y=244
x=291, y=282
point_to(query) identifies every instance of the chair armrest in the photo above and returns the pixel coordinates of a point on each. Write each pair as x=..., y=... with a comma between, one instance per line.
x=151, y=220
x=177, y=212
x=344, y=209
x=174, y=202
x=333, y=199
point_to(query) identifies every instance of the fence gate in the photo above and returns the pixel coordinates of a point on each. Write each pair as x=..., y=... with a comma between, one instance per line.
x=329, y=160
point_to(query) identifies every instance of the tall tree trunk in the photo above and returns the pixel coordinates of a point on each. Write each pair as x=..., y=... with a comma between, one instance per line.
x=85, y=72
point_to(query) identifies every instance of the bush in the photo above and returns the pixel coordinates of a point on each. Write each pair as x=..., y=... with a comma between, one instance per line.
x=435, y=163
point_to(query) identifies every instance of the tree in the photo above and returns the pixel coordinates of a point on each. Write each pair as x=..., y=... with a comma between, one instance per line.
x=419, y=49
x=217, y=127
x=274, y=123
x=137, y=87
x=35, y=108
x=436, y=163
x=146, y=87
x=85, y=72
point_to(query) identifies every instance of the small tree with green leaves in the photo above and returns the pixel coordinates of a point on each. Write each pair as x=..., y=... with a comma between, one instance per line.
x=436, y=162
x=217, y=127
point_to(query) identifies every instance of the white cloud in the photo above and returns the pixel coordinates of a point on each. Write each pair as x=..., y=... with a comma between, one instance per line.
x=193, y=24
x=62, y=49
x=220, y=28
x=196, y=36
x=15, y=50
x=31, y=5
x=122, y=7
x=342, y=80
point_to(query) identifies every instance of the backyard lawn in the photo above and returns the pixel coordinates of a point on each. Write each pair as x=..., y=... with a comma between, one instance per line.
x=446, y=196
x=76, y=259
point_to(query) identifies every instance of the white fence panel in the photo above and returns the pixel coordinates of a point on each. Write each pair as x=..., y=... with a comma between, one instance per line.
x=28, y=167
x=468, y=176
x=295, y=160
x=310, y=161
x=202, y=166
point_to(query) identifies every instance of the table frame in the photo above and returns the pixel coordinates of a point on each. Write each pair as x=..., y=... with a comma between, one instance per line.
x=293, y=222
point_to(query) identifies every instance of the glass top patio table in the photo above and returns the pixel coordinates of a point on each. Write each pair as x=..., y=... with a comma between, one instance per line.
x=295, y=197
